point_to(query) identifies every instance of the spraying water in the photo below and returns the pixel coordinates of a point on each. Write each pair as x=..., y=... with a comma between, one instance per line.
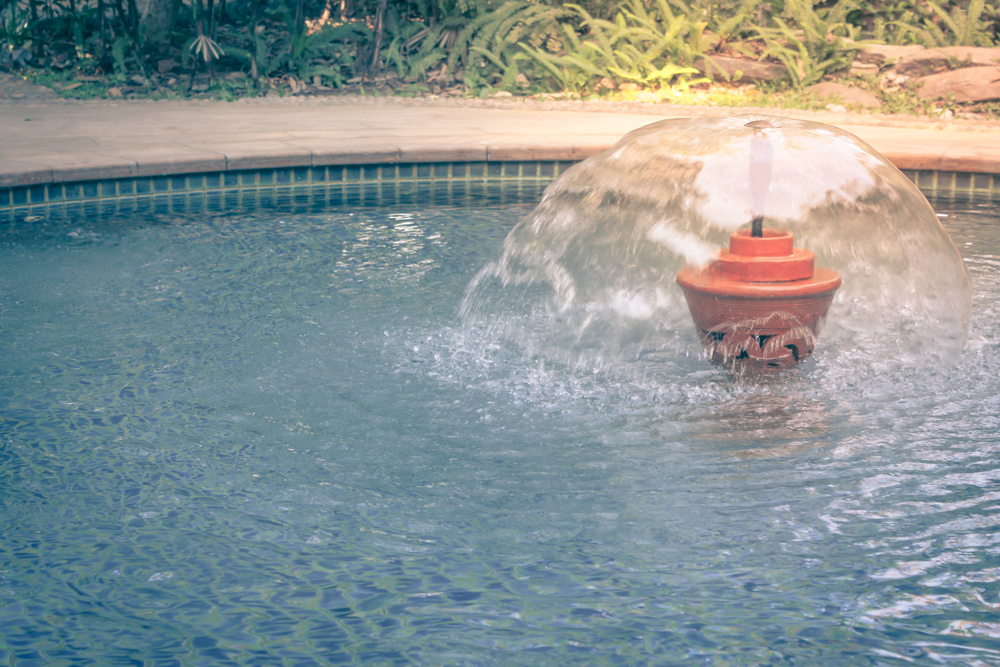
x=588, y=277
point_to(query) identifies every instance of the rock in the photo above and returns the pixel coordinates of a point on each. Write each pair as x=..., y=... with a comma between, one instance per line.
x=972, y=56
x=844, y=94
x=922, y=63
x=969, y=84
x=629, y=86
x=164, y=66
x=933, y=61
x=726, y=67
x=884, y=54
x=605, y=82
x=892, y=81
x=114, y=91
x=503, y=93
x=859, y=68
x=521, y=80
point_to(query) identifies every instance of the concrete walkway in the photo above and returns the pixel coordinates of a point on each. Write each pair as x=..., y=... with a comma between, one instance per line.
x=46, y=141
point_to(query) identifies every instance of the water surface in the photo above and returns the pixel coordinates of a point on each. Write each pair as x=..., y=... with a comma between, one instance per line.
x=264, y=438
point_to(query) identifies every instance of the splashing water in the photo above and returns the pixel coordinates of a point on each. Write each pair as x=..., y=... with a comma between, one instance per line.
x=588, y=277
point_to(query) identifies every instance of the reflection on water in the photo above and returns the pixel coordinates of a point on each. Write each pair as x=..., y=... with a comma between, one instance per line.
x=272, y=440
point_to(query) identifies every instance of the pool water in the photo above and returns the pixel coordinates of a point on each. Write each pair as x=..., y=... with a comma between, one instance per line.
x=263, y=438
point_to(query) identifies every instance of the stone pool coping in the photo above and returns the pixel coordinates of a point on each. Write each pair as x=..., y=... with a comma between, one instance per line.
x=58, y=143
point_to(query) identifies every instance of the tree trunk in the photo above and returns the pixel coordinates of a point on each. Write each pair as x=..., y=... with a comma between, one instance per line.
x=375, y=66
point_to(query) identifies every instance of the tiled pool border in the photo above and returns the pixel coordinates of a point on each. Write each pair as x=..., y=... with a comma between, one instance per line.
x=325, y=185
x=357, y=184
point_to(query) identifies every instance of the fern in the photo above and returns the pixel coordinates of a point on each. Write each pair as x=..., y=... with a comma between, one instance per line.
x=960, y=27
x=813, y=49
x=642, y=44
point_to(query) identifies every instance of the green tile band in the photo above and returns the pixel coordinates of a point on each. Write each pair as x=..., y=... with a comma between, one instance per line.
x=343, y=184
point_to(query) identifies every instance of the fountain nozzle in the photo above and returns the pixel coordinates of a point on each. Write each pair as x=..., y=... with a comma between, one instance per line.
x=761, y=302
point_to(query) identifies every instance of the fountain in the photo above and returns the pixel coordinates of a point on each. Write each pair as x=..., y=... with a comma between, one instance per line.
x=609, y=236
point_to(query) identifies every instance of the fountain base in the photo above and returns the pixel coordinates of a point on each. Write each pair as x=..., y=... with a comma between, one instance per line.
x=761, y=303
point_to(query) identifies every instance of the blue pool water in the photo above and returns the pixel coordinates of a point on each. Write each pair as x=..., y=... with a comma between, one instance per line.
x=263, y=438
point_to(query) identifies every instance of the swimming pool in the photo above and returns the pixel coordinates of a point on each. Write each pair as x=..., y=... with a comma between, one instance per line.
x=269, y=438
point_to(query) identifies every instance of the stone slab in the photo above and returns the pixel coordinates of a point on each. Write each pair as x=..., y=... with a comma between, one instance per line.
x=933, y=61
x=885, y=54
x=261, y=155
x=970, y=84
x=14, y=173
x=326, y=152
x=442, y=152
x=531, y=152
x=752, y=70
x=164, y=160
x=67, y=167
x=179, y=134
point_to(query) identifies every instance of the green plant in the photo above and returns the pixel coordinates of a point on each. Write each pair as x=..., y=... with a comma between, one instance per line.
x=959, y=27
x=15, y=36
x=573, y=70
x=415, y=48
x=489, y=46
x=723, y=19
x=654, y=46
x=810, y=44
x=327, y=53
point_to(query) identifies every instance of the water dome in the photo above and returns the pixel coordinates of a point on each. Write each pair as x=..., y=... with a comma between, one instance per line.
x=599, y=255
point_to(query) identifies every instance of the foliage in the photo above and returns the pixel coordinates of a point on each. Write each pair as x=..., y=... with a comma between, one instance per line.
x=489, y=46
x=809, y=41
x=654, y=46
x=724, y=19
x=928, y=22
x=232, y=48
x=958, y=27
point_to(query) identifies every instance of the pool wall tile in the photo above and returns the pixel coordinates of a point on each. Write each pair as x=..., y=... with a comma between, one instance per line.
x=372, y=182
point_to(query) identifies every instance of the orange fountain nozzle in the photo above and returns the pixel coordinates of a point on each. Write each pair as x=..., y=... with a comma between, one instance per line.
x=761, y=302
